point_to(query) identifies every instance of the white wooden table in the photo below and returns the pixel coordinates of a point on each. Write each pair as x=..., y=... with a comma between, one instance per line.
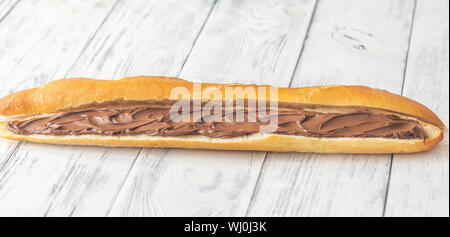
x=401, y=46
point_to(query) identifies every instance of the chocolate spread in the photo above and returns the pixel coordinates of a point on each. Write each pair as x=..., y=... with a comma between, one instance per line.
x=158, y=122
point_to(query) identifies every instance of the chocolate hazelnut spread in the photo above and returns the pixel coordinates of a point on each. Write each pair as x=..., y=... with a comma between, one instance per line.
x=158, y=122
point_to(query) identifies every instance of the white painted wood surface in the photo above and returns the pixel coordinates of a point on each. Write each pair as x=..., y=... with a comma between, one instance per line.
x=419, y=184
x=348, y=42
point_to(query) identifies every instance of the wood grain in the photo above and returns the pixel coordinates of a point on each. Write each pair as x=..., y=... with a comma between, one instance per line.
x=144, y=38
x=26, y=36
x=85, y=181
x=243, y=41
x=349, y=42
x=250, y=42
x=419, y=183
x=6, y=6
x=178, y=182
x=36, y=174
x=366, y=45
x=7, y=147
x=143, y=49
x=42, y=39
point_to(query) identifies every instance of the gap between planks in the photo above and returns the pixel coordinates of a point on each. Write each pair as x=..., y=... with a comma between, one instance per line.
x=6, y=13
x=401, y=93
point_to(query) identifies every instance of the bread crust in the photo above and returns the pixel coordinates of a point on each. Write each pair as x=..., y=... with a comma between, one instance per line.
x=257, y=142
x=61, y=95
x=77, y=92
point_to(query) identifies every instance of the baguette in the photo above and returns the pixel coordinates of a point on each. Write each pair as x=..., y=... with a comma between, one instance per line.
x=81, y=94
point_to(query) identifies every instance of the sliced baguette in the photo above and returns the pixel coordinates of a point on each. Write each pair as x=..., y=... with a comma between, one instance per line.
x=76, y=93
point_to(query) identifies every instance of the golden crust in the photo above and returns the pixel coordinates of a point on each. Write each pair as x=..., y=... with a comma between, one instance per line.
x=69, y=94
x=76, y=92
x=259, y=142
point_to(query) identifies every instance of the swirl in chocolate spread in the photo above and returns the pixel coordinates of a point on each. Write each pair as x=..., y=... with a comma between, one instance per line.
x=157, y=122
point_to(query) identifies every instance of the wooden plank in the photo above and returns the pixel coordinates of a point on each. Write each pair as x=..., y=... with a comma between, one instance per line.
x=35, y=37
x=243, y=41
x=366, y=45
x=86, y=180
x=419, y=184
